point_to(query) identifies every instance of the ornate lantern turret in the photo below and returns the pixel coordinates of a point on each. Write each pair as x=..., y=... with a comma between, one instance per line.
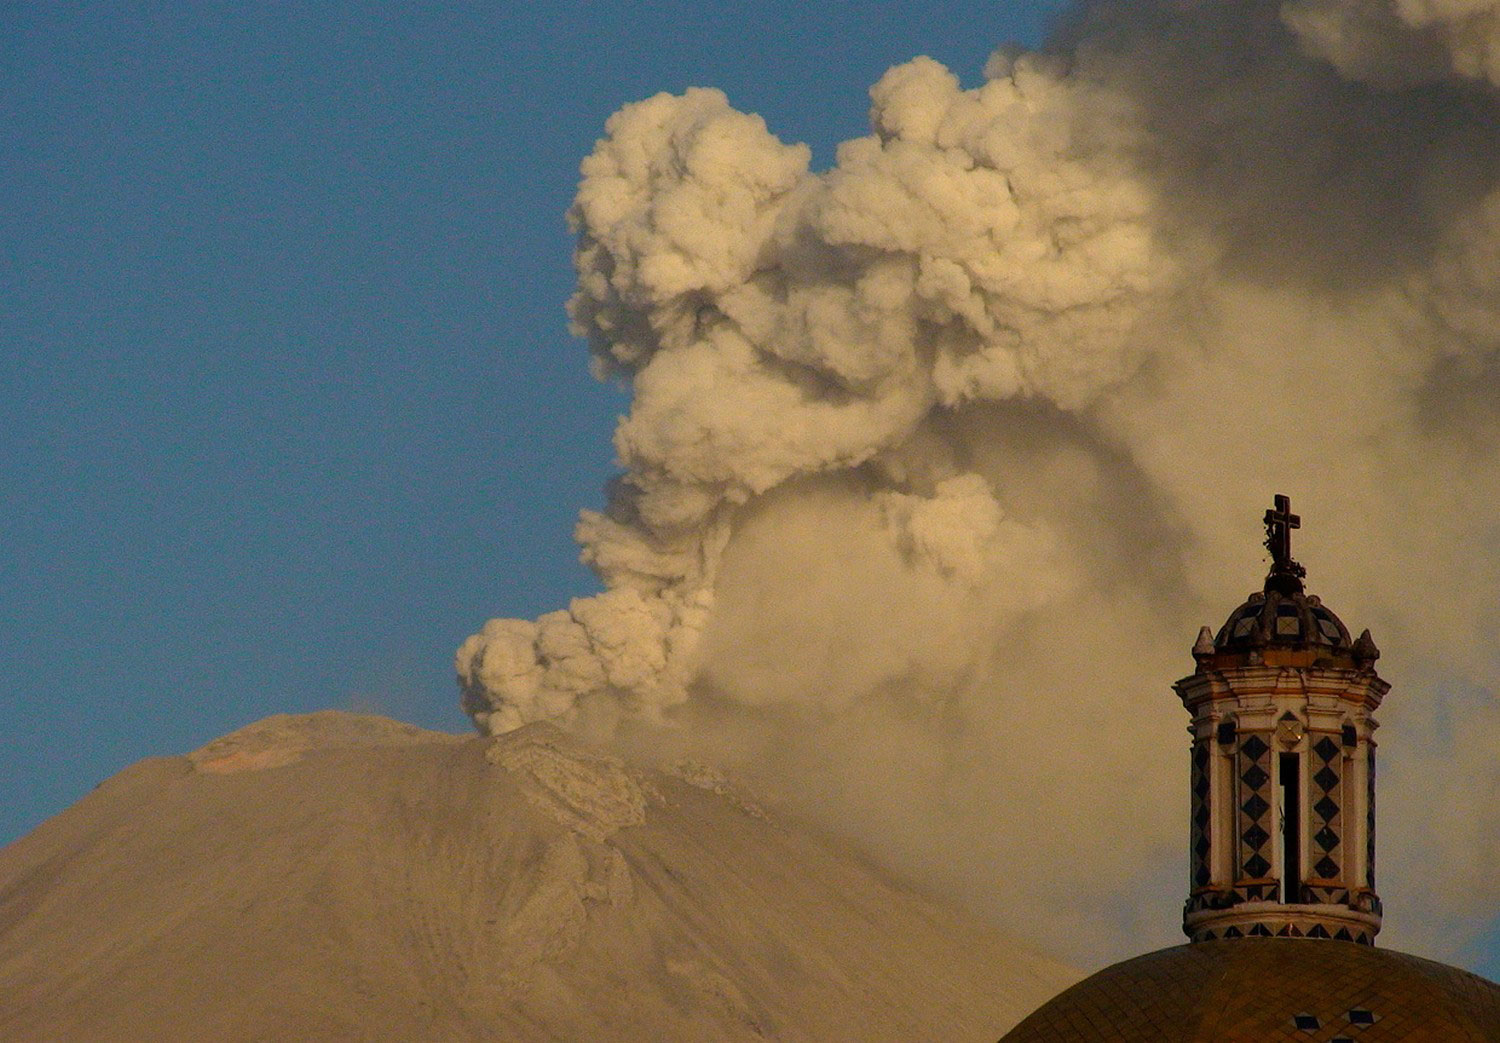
x=1282, y=832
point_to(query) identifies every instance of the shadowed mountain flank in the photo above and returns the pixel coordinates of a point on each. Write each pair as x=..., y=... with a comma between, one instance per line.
x=340, y=876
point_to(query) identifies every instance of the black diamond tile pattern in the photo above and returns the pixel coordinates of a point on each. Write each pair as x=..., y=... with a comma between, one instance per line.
x=1330, y=895
x=1199, y=831
x=1200, y=768
x=1254, y=806
x=1327, y=797
x=1250, y=990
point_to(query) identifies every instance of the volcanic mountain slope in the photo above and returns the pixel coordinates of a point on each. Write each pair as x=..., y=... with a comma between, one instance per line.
x=345, y=877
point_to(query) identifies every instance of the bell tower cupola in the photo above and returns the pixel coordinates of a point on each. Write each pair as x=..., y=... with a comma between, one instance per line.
x=1282, y=830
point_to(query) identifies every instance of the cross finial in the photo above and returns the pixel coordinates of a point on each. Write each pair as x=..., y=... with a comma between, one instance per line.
x=1286, y=575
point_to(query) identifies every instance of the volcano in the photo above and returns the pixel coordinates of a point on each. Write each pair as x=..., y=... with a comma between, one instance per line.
x=342, y=876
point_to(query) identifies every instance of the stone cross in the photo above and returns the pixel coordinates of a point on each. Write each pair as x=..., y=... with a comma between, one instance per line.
x=1280, y=522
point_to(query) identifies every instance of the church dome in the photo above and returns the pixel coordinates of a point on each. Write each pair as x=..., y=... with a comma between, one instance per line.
x=1293, y=619
x=1282, y=617
x=1252, y=990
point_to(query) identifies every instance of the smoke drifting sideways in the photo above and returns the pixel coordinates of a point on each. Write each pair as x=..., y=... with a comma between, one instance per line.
x=937, y=459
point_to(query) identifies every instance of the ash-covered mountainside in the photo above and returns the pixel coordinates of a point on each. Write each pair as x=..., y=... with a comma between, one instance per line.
x=337, y=876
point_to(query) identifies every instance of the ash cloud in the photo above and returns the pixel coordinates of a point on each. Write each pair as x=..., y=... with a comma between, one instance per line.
x=1401, y=42
x=937, y=459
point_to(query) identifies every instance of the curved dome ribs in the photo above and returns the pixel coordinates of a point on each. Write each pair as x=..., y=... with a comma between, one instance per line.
x=1269, y=618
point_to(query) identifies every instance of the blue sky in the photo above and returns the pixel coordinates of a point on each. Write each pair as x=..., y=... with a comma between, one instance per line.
x=290, y=403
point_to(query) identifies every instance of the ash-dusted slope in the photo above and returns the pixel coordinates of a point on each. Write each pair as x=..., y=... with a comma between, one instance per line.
x=343, y=877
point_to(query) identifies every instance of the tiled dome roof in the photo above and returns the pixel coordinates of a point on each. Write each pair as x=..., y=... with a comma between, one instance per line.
x=1268, y=990
x=1283, y=615
x=1273, y=618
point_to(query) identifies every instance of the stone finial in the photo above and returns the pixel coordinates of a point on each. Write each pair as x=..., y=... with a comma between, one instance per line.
x=1364, y=648
x=1204, y=646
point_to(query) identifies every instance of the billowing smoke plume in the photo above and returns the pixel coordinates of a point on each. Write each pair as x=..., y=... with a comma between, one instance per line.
x=1402, y=42
x=937, y=459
